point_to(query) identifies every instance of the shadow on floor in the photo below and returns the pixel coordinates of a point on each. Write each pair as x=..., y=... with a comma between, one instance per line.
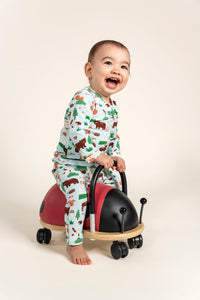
x=23, y=219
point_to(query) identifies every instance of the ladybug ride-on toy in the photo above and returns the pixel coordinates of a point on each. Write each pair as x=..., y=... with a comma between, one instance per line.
x=110, y=216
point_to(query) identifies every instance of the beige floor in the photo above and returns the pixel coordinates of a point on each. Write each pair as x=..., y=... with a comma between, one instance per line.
x=166, y=267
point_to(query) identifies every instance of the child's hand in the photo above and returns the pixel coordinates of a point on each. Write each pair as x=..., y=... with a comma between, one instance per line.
x=104, y=160
x=121, y=167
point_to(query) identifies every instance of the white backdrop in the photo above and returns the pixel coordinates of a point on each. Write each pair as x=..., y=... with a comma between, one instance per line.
x=43, y=47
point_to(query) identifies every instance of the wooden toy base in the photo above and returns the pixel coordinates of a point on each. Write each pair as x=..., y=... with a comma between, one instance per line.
x=103, y=236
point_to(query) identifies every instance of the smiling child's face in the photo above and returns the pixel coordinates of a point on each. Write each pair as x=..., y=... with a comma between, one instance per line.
x=108, y=72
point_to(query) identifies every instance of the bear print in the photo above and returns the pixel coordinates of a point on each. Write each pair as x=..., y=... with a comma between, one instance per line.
x=69, y=182
x=80, y=144
x=100, y=125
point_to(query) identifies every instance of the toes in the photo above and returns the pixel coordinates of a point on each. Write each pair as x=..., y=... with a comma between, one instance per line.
x=78, y=256
x=78, y=261
x=89, y=262
x=83, y=261
x=86, y=261
x=74, y=260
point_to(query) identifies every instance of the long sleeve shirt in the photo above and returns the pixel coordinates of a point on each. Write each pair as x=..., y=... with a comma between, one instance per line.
x=90, y=128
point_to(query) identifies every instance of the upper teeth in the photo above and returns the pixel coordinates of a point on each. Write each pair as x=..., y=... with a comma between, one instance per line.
x=114, y=79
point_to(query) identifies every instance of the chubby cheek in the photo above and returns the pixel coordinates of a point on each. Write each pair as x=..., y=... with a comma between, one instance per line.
x=126, y=79
x=99, y=75
x=123, y=84
x=103, y=73
x=101, y=78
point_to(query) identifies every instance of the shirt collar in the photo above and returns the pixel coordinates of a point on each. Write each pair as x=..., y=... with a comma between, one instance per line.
x=93, y=91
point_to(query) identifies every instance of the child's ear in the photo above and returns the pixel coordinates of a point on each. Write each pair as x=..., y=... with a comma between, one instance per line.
x=88, y=70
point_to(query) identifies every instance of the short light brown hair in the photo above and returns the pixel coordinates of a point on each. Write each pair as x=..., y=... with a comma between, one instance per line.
x=96, y=46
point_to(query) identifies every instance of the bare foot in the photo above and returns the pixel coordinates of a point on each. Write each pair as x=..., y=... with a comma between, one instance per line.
x=78, y=255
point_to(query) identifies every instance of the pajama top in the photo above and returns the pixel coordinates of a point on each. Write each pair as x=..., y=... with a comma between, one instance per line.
x=90, y=129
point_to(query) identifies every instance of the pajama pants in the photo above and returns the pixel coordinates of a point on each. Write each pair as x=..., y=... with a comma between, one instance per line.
x=73, y=182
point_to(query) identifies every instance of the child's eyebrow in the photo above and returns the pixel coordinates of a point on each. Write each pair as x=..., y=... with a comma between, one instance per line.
x=125, y=62
x=107, y=57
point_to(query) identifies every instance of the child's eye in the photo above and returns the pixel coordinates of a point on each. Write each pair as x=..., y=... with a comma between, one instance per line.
x=124, y=67
x=108, y=63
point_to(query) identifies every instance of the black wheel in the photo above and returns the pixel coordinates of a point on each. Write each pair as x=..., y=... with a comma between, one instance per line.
x=40, y=236
x=124, y=248
x=131, y=243
x=135, y=242
x=116, y=250
x=43, y=235
x=47, y=235
x=139, y=241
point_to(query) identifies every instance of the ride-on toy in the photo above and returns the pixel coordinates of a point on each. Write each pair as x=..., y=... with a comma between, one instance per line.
x=110, y=215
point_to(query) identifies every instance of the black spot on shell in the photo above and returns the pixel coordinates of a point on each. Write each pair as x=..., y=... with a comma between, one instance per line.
x=42, y=206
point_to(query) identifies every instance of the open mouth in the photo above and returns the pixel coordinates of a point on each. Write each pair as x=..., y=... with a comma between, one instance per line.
x=112, y=82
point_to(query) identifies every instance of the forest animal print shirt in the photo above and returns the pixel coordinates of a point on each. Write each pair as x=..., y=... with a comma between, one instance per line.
x=90, y=128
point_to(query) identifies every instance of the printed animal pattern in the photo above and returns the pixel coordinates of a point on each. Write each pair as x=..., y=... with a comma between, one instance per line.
x=90, y=128
x=73, y=182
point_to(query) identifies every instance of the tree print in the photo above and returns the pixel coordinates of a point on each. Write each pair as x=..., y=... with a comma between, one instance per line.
x=89, y=140
x=75, y=113
x=78, y=214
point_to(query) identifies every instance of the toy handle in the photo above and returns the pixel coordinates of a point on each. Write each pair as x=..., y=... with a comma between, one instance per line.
x=92, y=192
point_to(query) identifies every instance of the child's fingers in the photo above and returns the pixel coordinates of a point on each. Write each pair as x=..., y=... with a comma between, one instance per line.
x=121, y=167
x=120, y=164
x=108, y=164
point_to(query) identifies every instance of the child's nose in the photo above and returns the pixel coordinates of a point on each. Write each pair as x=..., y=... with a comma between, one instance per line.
x=116, y=70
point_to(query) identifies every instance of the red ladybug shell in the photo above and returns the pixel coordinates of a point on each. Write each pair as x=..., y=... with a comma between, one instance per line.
x=52, y=210
x=101, y=190
x=53, y=207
